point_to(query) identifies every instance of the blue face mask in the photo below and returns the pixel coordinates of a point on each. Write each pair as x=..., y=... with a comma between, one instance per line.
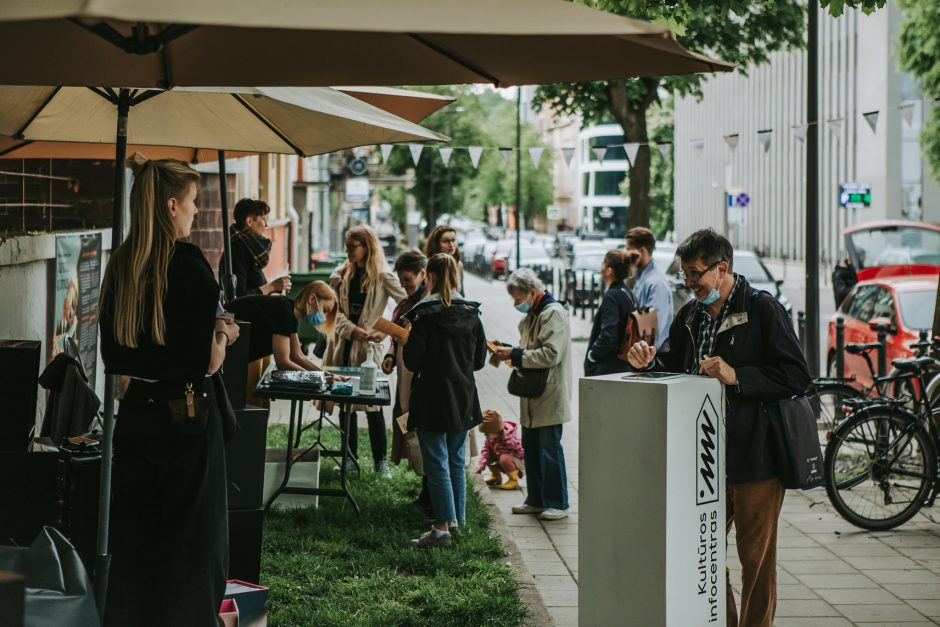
x=712, y=295
x=316, y=318
x=523, y=307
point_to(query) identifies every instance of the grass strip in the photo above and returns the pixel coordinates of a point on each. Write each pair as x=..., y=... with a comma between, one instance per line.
x=330, y=566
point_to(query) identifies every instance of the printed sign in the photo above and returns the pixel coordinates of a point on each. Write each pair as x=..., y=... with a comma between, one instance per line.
x=75, y=305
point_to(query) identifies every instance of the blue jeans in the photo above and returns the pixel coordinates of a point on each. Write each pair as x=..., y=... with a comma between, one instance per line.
x=444, y=468
x=546, y=479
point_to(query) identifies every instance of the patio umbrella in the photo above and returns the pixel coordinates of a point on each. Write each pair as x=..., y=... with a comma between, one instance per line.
x=370, y=42
x=302, y=121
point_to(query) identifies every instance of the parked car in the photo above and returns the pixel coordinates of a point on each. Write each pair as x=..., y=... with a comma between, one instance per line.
x=563, y=239
x=893, y=248
x=905, y=302
x=585, y=275
x=581, y=247
x=483, y=257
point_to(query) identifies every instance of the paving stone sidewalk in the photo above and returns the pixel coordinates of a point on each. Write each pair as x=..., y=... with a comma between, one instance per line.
x=829, y=573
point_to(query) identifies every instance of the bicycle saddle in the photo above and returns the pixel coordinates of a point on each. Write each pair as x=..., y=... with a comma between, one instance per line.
x=857, y=349
x=914, y=364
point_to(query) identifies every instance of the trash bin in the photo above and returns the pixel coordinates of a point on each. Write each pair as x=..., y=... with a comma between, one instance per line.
x=305, y=473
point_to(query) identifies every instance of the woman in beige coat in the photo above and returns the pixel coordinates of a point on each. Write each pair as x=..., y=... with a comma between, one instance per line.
x=363, y=285
x=545, y=344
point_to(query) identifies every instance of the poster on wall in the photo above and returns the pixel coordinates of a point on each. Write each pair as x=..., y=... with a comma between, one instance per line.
x=75, y=306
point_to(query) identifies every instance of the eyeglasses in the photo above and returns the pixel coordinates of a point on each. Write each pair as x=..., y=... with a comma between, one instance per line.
x=695, y=277
x=351, y=245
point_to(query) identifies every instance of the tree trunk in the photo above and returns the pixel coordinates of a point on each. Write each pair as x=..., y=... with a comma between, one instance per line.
x=631, y=115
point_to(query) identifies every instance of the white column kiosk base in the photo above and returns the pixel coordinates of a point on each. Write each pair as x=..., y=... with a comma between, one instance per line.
x=651, y=522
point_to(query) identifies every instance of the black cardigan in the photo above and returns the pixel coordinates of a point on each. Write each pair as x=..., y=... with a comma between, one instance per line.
x=189, y=310
x=610, y=322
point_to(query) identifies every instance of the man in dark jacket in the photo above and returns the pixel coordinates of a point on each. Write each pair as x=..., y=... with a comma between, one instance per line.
x=742, y=337
x=251, y=250
x=844, y=279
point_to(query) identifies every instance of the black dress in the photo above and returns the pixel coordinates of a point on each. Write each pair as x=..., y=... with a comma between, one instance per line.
x=169, y=526
x=269, y=315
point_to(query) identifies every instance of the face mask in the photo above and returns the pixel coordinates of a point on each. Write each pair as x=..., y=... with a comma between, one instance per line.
x=523, y=307
x=712, y=295
x=316, y=318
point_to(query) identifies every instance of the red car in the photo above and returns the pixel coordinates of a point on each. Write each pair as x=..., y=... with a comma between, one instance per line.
x=897, y=264
x=906, y=302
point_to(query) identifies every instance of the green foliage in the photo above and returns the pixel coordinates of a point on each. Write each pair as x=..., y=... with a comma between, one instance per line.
x=920, y=55
x=836, y=7
x=476, y=118
x=330, y=566
x=662, y=206
x=744, y=33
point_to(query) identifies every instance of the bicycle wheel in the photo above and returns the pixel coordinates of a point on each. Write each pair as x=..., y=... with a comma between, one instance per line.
x=880, y=467
x=827, y=401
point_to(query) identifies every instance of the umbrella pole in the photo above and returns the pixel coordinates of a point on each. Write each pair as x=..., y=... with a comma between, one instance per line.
x=228, y=278
x=103, y=558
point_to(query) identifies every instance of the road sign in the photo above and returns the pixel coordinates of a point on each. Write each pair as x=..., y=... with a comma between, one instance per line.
x=855, y=195
x=357, y=189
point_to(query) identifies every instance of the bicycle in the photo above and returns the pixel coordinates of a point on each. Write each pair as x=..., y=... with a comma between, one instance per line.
x=881, y=461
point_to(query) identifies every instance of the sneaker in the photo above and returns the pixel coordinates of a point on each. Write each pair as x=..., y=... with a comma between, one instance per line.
x=456, y=530
x=431, y=539
x=381, y=468
x=525, y=508
x=553, y=514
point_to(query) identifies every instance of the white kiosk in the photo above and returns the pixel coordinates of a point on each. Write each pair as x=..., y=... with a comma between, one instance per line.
x=651, y=531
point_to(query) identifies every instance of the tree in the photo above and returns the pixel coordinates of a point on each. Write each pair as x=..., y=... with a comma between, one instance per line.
x=744, y=33
x=920, y=55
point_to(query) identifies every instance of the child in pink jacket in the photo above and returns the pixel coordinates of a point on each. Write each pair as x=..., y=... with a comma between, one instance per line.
x=502, y=451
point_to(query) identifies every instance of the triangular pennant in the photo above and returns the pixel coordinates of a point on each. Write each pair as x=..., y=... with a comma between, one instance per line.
x=445, y=155
x=415, y=152
x=907, y=112
x=872, y=118
x=698, y=145
x=535, y=153
x=475, y=153
x=665, y=149
x=567, y=153
x=631, y=148
x=386, y=151
x=835, y=127
x=505, y=153
x=599, y=152
x=799, y=132
x=732, y=141
x=764, y=138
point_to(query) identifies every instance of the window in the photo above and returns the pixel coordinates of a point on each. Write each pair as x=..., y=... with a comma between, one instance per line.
x=608, y=183
x=860, y=306
x=883, y=305
x=586, y=189
x=917, y=309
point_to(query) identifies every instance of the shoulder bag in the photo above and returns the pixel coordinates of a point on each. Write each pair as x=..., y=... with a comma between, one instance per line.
x=641, y=325
x=528, y=382
x=795, y=441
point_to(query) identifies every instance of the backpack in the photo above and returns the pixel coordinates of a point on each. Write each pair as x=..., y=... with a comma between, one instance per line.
x=641, y=326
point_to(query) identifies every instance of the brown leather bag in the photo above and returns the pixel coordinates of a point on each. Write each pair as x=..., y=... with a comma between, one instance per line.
x=641, y=325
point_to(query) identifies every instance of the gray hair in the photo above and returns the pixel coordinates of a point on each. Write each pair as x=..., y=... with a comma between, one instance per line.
x=523, y=281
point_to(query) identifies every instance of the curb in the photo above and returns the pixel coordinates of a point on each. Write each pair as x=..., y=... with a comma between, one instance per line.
x=536, y=612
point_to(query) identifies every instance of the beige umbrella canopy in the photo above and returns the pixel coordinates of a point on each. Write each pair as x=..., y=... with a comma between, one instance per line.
x=411, y=105
x=303, y=121
x=328, y=42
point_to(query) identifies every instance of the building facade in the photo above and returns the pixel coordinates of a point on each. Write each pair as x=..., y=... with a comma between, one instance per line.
x=763, y=115
x=602, y=169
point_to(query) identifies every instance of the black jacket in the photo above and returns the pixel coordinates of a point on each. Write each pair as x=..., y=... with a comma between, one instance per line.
x=758, y=341
x=248, y=276
x=72, y=402
x=610, y=321
x=445, y=346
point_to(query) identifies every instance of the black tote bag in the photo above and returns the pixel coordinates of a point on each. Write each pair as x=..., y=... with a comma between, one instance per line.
x=797, y=452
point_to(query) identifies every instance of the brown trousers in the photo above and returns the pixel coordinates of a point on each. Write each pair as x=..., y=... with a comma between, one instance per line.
x=754, y=509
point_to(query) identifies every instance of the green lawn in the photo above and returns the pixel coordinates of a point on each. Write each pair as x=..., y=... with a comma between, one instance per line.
x=329, y=566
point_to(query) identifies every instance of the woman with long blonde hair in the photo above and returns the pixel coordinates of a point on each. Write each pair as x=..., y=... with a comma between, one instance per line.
x=363, y=286
x=159, y=326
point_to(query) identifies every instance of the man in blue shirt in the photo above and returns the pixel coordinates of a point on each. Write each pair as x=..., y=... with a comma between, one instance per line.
x=650, y=285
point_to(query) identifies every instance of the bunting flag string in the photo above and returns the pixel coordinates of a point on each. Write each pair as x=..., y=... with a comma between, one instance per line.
x=799, y=132
x=475, y=153
x=764, y=138
x=505, y=153
x=665, y=149
x=567, y=153
x=632, y=149
x=698, y=145
x=907, y=112
x=872, y=118
x=386, y=150
x=415, y=152
x=535, y=153
x=599, y=153
x=732, y=141
x=835, y=127
x=445, y=155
